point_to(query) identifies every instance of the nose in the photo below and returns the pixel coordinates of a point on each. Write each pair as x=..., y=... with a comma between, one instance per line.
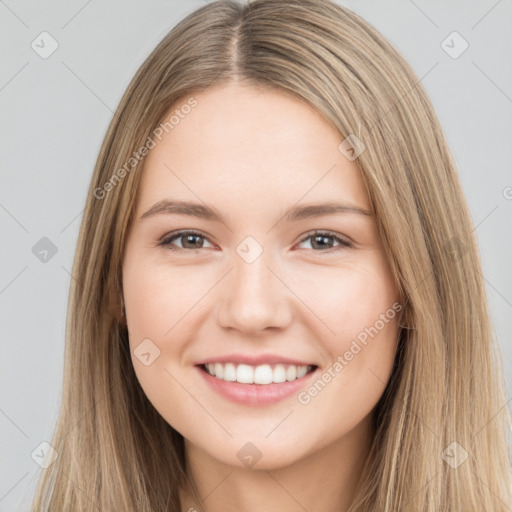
x=254, y=297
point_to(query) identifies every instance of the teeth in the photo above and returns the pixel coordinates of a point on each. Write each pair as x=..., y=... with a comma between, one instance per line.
x=263, y=374
x=279, y=373
x=291, y=372
x=301, y=371
x=229, y=372
x=244, y=374
x=219, y=370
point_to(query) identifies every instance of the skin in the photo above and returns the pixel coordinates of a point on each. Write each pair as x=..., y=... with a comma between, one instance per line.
x=252, y=153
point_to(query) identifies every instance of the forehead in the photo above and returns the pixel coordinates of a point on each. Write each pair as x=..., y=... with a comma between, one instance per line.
x=242, y=143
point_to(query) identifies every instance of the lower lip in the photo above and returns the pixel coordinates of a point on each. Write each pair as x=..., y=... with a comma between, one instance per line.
x=255, y=394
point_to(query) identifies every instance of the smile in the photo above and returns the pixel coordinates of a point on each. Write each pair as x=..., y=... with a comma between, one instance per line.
x=260, y=385
x=262, y=374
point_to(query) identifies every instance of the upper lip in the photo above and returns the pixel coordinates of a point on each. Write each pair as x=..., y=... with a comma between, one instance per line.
x=254, y=360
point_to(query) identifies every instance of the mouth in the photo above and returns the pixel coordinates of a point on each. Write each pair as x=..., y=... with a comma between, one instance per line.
x=263, y=375
x=260, y=385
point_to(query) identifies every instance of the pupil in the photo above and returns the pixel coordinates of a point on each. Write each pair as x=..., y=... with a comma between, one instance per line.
x=322, y=237
x=189, y=238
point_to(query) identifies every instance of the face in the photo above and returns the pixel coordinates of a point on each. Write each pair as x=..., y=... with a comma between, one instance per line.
x=259, y=281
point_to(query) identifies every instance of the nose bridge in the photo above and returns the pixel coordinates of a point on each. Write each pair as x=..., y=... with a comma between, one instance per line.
x=255, y=298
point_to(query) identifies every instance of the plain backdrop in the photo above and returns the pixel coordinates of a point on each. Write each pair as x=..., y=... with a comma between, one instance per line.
x=54, y=114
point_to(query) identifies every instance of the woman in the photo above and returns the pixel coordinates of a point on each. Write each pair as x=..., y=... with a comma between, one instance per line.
x=277, y=300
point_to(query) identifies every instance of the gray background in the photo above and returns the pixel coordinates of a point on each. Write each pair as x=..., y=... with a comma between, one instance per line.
x=54, y=114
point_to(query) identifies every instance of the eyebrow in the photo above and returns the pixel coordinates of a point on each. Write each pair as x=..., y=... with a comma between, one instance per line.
x=295, y=213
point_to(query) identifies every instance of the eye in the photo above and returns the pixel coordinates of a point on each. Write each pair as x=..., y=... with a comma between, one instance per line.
x=321, y=240
x=190, y=240
x=194, y=240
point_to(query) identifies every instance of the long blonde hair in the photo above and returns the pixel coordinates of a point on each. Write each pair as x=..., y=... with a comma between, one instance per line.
x=440, y=428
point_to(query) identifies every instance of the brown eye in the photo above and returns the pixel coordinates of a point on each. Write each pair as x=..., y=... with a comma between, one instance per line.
x=190, y=240
x=322, y=241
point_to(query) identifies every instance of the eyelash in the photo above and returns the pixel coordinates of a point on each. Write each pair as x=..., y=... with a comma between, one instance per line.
x=166, y=241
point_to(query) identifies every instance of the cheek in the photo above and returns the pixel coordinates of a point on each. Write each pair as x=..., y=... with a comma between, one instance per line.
x=348, y=300
x=159, y=299
x=362, y=310
x=159, y=304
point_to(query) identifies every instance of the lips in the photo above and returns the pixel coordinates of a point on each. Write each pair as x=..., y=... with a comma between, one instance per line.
x=257, y=380
x=255, y=394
